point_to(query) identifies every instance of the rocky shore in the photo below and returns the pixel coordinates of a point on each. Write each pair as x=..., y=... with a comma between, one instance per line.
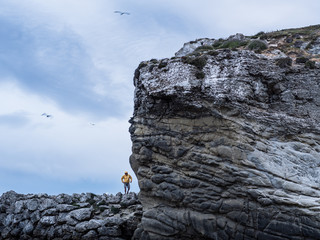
x=77, y=216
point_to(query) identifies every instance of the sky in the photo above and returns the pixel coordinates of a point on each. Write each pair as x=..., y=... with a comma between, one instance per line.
x=75, y=60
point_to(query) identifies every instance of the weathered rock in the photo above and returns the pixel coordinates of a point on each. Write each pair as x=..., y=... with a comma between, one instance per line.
x=91, y=235
x=233, y=154
x=81, y=214
x=48, y=220
x=65, y=207
x=94, y=223
x=314, y=47
x=32, y=205
x=28, y=228
x=82, y=227
x=46, y=203
x=193, y=45
x=40, y=216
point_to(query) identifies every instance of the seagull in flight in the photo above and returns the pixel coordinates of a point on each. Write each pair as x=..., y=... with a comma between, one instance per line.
x=92, y=124
x=46, y=115
x=122, y=13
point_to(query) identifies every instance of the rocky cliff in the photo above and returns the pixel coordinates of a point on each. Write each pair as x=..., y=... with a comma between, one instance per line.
x=77, y=216
x=226, y=139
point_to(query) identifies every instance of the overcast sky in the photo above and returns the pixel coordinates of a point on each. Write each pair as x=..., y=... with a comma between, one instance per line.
x=75, y=59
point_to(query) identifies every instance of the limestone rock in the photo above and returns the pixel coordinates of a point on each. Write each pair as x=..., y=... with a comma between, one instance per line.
x=191, y=46
x=77, y=216
x=81, y=214
x=226, y=143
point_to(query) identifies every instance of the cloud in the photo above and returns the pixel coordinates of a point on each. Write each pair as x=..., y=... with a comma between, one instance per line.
x=64, y=147
x=56, y=62
x=13, y=120
x=215, y=19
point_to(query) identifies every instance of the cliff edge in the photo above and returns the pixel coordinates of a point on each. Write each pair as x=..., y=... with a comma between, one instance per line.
x=226, y=139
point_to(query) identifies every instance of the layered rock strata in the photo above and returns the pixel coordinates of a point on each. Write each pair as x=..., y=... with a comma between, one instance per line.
x=226, y=145
x=77, y=216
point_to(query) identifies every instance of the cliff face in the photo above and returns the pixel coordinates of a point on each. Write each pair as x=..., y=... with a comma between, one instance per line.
x=226, y=140
x=77, y=216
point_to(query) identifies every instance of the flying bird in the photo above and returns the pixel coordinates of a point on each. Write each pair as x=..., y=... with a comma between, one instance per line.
x=92, y=124
x=122, y=13
x=46, y=115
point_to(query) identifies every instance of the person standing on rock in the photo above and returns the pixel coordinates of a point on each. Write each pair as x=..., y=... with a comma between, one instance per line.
x=126, y=179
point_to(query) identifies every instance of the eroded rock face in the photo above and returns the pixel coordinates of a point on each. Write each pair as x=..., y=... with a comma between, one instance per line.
x=226, y=145
x=77, y=216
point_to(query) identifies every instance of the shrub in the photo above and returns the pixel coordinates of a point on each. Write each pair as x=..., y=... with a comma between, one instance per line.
x=153, y=60
x=204, y=48
x=218, y=43
x=257, y=45
x=142, y=64
x=301, y=60
x=264, y=36
x=198, y=62
x=259, y=34
x=284, y=62
x=151, y=67
x=162, y=64
x=137, y=71
x=310, y=64
x=200, y=75
x=213, y=53
x=232, y=44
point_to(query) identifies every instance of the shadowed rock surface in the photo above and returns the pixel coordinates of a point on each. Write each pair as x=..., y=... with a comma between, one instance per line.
x=77, y=216
x=226, y=140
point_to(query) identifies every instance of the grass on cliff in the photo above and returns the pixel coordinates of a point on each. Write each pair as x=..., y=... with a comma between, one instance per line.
x=204, y=48
x=231, y=44
x=199, y=62
x=296, y=43
x=284, y=62
x=257, y=45
x=305, y=31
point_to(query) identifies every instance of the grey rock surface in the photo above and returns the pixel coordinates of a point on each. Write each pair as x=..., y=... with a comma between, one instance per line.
x=191, y=46
x=232, y=152
x=80, y=216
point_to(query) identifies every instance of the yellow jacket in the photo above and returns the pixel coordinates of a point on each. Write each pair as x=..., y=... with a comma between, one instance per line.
x=126, y=178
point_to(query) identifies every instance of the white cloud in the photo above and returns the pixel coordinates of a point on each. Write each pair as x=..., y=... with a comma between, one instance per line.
x=65, y=146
